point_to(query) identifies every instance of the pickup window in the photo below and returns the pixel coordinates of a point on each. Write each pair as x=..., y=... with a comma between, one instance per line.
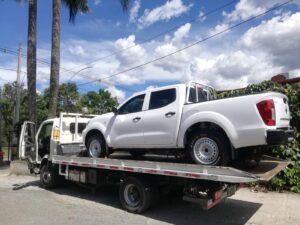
x=200, y=93
x=133, y=105
x=162, y=98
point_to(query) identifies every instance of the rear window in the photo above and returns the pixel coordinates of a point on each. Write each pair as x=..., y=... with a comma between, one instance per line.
x=81, y=127
x=162, y=98
x=198, y=94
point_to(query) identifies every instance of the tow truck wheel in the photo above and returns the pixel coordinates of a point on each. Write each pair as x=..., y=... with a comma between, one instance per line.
x=49, y=177
x=209, y=148
x=135, y=195
x=96, y=146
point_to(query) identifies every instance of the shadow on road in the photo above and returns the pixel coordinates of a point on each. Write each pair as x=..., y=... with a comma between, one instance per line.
x=170, y=209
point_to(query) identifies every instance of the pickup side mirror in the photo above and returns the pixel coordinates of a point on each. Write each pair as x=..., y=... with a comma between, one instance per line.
x=115, y=110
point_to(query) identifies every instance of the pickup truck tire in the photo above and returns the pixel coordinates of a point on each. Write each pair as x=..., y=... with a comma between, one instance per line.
x=136, y=195
x=96, y=146
x=209, y=148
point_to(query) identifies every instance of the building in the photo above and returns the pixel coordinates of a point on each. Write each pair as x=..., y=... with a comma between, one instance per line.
x=283, y=78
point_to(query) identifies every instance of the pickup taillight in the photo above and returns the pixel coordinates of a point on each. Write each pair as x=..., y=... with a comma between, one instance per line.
x=266, y=110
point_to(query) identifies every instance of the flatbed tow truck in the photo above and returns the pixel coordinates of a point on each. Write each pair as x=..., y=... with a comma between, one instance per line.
x=140, y=181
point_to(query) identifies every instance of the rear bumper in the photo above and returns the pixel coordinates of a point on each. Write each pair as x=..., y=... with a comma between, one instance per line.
x=279, y=137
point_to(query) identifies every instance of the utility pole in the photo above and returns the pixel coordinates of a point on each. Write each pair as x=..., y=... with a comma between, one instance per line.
x=18, y=88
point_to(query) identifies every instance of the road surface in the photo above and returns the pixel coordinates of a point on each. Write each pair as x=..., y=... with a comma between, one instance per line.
x=22, y=201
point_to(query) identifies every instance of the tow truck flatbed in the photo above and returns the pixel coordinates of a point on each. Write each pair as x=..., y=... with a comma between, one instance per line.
x=267, y=168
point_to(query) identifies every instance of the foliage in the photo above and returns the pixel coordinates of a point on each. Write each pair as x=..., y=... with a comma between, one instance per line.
x=290, y=177
x=98, y=103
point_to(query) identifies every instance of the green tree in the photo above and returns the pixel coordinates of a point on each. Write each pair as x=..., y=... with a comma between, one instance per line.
x=98, y=103
x=68, y=98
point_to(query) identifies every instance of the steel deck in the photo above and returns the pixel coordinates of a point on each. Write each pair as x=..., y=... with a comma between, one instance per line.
x=213, y=173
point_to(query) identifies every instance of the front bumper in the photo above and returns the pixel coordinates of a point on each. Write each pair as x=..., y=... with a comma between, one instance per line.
x=280, y=137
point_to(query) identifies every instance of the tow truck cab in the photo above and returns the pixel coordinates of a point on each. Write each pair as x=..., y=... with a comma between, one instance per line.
x=62, y=135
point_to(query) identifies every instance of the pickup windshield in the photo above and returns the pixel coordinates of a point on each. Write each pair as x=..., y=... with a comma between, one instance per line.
x=199, y=93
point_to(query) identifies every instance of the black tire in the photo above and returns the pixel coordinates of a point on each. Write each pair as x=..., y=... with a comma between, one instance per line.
x=137, y=153
x=94, y=142
x=49, y=177
x=213, y=148
x=136, y=196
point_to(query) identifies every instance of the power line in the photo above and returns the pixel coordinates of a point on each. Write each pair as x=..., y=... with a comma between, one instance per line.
x=197, y=42
x=161, y=33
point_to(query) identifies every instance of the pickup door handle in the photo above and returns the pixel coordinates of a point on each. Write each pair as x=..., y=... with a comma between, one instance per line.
x=135, y=119
x=169, y=114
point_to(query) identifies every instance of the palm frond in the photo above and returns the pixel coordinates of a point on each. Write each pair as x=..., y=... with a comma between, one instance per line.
x=76, y=6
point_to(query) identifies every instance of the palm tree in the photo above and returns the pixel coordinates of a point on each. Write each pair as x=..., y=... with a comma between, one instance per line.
x=74, y=7
x=31, y=59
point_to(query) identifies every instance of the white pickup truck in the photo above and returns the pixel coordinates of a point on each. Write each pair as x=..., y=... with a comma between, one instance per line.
x=189, y=118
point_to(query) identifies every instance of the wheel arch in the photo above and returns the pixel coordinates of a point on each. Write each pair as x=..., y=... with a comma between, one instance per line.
x=44, y=161
x=211, y=126
x=91, y=133
x=207, y=119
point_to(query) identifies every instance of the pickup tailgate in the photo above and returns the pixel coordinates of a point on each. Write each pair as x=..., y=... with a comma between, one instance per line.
x=282, y=111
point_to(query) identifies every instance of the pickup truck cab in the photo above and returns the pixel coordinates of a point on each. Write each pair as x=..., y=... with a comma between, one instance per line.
x=189, y=118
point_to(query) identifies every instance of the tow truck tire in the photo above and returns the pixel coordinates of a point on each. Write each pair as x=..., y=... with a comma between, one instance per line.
x=49, y=177
x=96, y=146
x=209, y=148
x=136, y=196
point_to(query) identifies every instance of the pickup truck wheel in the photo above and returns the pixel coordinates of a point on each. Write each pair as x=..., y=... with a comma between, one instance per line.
x=209, y=148
x=135, y=195
x=96, y=146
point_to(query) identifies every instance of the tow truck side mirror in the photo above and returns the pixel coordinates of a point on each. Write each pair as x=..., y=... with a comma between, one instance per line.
x=115, y=110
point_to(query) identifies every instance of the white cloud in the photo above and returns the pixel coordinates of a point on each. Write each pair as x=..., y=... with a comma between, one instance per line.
x=97, y=2
x=247, y=8
x=171, y=9
x=77, y=50
x=126, y=79
x=181, y=33
x=133, y=55
x=232, y=70
x=279, y=37
x=220, y=28
x=133, y=13
x=201, y=16
x=119, y=94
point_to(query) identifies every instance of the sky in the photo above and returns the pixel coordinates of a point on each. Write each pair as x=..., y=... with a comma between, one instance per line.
x=157, y=43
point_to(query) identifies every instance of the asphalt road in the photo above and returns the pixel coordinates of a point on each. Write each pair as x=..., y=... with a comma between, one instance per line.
x=22, y=201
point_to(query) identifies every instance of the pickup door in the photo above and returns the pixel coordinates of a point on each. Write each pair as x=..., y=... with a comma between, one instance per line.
x=161, y=118
x=126, y=131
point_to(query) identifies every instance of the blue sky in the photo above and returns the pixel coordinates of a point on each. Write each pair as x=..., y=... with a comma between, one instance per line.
x=248, y=54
